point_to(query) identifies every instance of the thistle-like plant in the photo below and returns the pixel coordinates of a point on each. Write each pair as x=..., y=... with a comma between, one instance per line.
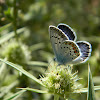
x=16, y=52
x=60, y=80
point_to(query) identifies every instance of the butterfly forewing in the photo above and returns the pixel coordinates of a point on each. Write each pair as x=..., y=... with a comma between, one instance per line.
x=68, y=31
x=56, y=37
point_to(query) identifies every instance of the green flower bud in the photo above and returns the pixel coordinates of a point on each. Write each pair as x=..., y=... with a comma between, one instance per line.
x=16, y=52
x=60, y=80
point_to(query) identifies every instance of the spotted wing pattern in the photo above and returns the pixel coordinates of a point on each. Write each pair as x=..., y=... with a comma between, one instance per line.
x=69, y=51
x=66, y=50
x=56, y=37
x=68, y=31
x=85, y=48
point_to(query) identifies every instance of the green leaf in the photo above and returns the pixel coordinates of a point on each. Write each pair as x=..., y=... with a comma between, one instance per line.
x=19, y=68
x=91, y=92
x=56, y=97
x=6, y=89
x=37, y=63
x=85, y=90
x=2, y=68
x=4, y=27
x=37, y=46
x=15, y=96
x=34, y=90
x=10, y=35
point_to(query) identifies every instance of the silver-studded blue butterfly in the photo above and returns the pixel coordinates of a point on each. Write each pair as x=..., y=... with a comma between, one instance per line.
x=66, y=50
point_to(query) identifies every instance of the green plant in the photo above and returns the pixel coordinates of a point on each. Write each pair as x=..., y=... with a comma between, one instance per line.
x=54, y=88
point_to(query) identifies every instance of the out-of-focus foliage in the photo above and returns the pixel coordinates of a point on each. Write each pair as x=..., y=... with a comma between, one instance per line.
x=35, y=16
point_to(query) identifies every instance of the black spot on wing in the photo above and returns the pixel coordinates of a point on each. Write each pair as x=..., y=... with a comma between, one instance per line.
x=67, y=30
x=57, y=33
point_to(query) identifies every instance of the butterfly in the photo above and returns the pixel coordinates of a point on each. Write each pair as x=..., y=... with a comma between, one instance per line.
x=66, y=49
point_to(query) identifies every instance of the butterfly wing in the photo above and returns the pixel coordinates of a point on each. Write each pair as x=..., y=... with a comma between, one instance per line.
x=57, y=37
x=69, y=52
x=65, y=49
x=85, y=48
x=68, y=31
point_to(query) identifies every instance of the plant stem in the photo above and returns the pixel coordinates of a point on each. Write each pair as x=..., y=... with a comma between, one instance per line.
x=15, y=19
x=56, y=97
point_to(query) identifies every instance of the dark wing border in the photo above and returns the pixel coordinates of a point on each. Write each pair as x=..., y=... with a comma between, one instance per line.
x=86, y=49
x=68, y=31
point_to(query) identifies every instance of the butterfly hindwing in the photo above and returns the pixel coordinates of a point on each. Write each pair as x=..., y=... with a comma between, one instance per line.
x=69, y=52
x=85, y=48
x=68, y=31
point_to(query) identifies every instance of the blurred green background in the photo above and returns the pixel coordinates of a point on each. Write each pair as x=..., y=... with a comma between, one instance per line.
x=29, y=22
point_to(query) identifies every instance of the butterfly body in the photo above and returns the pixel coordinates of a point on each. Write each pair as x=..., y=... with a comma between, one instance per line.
x=66, y=50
